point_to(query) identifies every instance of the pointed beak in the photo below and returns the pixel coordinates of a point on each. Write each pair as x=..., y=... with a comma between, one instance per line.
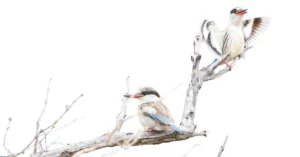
x=137, y=96
x=241, y=12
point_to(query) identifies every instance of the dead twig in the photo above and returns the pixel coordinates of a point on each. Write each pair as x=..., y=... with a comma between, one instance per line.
x=190, y=150
x=122, y=114
x=222, y=147
x=4, y=140
x=51, y=130
x=39, y=119
x=50, y=126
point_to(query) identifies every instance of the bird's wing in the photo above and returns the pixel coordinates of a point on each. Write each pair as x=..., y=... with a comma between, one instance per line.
x=158, y=108
x=158, y=111
x=253, y=27
x=213, y=37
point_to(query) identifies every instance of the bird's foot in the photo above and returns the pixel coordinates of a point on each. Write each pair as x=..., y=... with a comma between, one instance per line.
x=229, y=66
x=240, y=56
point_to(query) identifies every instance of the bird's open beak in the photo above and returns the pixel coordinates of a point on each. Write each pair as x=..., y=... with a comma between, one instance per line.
x=241, y=12
x=137, y=95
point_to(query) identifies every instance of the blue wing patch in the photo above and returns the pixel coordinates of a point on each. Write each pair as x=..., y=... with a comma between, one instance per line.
x=164, y=120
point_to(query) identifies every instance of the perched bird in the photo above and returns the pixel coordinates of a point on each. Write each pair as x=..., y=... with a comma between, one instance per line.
x=152, y=113
x=237, y=36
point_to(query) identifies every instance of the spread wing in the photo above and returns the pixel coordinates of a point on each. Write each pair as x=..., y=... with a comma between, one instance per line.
x=213, y=37
x=252, y=28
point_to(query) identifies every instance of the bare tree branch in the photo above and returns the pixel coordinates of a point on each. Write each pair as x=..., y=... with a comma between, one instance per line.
x=122, y=114
x=222, y=147
x=4, y=140
x=52, y=130
x=116, y=140
x=198, y=77
x=214, y=75
x=125, y=143
x=67, y=109
x=45, y=141
x=49, y=127
x=38, y=121
x=221, y=72
x=187, y=123
x=68, y=124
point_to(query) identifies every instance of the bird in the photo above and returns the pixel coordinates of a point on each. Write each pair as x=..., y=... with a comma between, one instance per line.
x=238, y=36
x=152, y=113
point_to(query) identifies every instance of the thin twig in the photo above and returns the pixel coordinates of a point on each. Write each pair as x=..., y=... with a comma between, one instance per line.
x=40, y=142
x=67, y=109
x=54, y=142
x=50, y=126
x=190, y=150
x=68, y=124
x=171, y=91
x=129, y=117
x=39, y=119
x=52, y=130
x=4, y=140
x=222, y=147
x=122, y=114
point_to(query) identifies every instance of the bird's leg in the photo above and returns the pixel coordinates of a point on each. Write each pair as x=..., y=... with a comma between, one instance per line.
x=229, y=66
x=240, y=56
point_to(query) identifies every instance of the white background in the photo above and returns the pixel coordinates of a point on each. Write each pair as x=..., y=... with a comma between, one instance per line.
x=90, y=47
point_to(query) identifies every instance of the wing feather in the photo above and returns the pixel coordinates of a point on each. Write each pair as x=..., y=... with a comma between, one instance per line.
x=252, y=28
x=212, y=36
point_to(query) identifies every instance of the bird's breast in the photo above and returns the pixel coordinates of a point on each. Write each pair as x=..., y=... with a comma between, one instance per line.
x=145, y=121
x=234, y=43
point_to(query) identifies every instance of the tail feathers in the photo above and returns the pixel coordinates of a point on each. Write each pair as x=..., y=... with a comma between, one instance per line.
x=176, y=128
x=215, y=60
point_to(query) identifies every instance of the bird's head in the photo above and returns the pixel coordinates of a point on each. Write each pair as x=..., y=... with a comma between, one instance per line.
x=236, y=15
x=146, y=94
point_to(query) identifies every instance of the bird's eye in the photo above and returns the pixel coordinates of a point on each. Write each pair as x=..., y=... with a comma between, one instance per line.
x=233, y=11
x=143, y=93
